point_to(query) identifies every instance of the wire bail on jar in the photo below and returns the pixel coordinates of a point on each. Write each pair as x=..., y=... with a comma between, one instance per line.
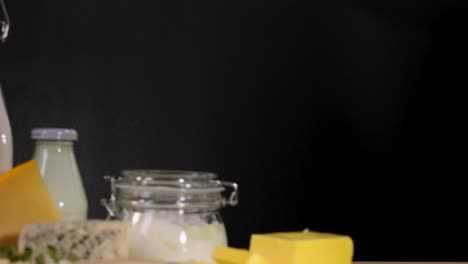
x=233, y=199
x=109, y=204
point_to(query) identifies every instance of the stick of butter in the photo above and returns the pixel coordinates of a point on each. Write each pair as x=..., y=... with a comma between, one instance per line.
x=227, y=255
x=303, y=248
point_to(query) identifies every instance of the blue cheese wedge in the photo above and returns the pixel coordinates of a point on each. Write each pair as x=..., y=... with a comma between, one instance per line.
x=76, y=240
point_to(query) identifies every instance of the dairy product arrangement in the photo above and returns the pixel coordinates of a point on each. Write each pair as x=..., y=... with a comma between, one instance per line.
x=186, y=230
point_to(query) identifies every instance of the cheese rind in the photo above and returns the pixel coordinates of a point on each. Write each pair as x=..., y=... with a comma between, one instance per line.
x=88, y=240
x=303, y=248
x=228, y=255
x=24, y=199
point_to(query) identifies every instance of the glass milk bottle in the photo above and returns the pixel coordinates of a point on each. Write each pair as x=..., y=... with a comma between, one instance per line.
x=6, y=147
x=56, y=160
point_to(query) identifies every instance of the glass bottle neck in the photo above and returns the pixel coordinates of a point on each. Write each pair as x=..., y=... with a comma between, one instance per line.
x=60, y=145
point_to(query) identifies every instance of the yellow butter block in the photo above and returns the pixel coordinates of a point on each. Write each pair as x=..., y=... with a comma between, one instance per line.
x=24, y=199
x=227, y=255
x=303, y=248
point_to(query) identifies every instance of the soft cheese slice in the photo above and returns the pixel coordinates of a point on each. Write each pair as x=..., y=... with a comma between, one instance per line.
x=303, y=248
x=23, y=200
x=89, y=240
x=228, y=255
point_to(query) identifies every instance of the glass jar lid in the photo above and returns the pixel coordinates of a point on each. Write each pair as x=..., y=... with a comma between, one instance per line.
x=171, y=180
x=169, y=189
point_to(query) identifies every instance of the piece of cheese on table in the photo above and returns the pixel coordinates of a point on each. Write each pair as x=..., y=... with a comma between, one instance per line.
x=130, y=262
x=227, y=255
x=77, y=240
x=24, y=199
x=303, y=248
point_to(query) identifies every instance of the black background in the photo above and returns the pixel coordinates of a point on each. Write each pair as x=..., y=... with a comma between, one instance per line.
x=339, y=116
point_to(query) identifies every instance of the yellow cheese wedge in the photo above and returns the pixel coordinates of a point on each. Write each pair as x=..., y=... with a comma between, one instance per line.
x=227, y=255
x=23, y=200
x=303, y=248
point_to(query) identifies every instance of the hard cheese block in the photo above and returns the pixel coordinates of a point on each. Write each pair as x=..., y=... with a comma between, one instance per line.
x=84, y=240
x=303, y=248
x=226, y=255
x=23, y=199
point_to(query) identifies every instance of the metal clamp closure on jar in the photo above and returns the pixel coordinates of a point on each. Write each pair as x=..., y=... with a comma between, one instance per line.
x=167, y=189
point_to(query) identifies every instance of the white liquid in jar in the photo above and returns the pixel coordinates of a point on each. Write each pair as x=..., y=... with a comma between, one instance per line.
x=164, y=237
